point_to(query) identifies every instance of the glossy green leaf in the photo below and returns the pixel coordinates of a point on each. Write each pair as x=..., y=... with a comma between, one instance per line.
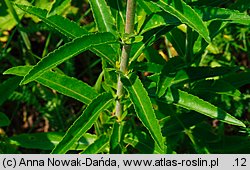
x=47, y=141
x=18, y=71
x=223, y=14
x=142, y=142
x=191, y=102
x=117, y=9
x=186, y=15
x=97, y=146
x=68, y=51
x=104, y=20
x=8, y=87
x=61, y=24
x=102, y=15
x=143, y=107
x=68, y=86
x=69, y=29
x=116, y=138
x=58, y=7
x=4, y=120
x=84, y=122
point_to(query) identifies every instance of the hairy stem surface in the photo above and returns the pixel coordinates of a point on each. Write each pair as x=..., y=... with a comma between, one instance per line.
x=129, y=29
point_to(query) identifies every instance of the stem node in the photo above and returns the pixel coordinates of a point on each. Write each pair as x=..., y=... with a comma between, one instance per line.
x=129, y=28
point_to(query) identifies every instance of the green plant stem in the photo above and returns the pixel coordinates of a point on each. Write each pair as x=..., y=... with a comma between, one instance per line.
x=15, y=16
x=129, y=29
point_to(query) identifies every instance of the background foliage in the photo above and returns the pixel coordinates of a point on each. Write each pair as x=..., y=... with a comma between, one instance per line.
x=186, y=89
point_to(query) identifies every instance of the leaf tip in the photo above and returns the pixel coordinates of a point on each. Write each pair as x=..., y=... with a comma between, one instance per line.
x=241, y=124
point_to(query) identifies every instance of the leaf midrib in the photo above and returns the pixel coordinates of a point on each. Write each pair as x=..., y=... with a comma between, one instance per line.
x=47, y=19
x=144, y=112
x=193, y=25
x=80, y=131
x=103, y=15
x=52, y=82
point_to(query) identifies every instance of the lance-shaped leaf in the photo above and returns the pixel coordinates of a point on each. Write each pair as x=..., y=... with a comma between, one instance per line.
x=69, y=29
x=102, y=15
x=104, y=20
x=64, y=84
x=98, y=146
x=47, y=141
x=84, y=122
x=186, y=15
x=66, y=27
x=191, y=102
x=68, y=51
x=143, y=107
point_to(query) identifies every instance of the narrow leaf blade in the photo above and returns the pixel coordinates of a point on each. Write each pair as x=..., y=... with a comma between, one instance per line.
x=143, y=107
x=63, y=25
x=69, y=29
x=186, y=15
x=84, y=122
x=68, y=51
x=191, y=102
x=102, y=15
x=48, y=140
x=66, y=85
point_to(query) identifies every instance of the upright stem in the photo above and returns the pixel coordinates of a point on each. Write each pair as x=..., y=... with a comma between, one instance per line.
x=129, y=29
